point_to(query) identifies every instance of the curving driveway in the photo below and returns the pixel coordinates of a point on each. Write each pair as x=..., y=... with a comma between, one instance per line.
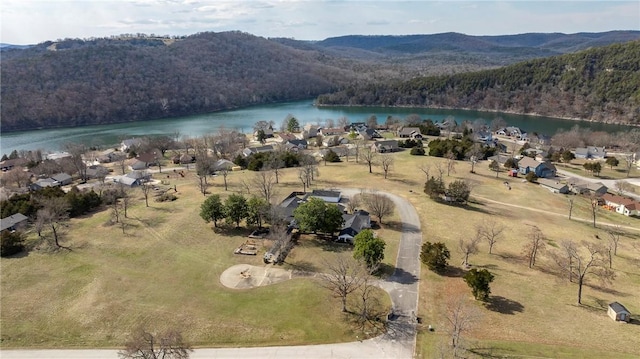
x=398, y=342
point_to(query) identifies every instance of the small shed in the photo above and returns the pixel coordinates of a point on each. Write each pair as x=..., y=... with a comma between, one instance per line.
x=618, y=312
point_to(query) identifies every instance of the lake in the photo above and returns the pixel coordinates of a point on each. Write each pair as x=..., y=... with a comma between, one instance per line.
x=51, y=140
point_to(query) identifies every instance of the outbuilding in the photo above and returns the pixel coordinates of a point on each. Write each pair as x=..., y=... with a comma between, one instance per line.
x=618, y=312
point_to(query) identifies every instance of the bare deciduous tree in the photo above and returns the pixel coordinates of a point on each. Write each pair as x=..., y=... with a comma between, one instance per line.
x=146, y=189
x=460, y=317
x=275, y=163
x=145, y=345
x=587, y=260
x=77, y=152
x=345, y=275
x=369, y=158
x=614, y=237
x=53, y=215
x=628, y=163
x=451, y=163
x=386, y=162
x=224, y=171
x=534, y=245
x=378, y=204
x=593, y=201
x=468, y=247
x=264, y=182
x=17, y=176
x=570, y=207
x=425, y=168
x=490, y=231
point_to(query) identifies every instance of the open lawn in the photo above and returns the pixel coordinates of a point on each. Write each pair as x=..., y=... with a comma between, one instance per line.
x=163, y=273
x=165, y=270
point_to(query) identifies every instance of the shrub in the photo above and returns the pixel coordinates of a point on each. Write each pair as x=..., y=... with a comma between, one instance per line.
x=417, y=151
x=531, y=177
x=166, y=197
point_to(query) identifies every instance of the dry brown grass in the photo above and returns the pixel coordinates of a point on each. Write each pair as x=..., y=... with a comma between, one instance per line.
x=531, y=306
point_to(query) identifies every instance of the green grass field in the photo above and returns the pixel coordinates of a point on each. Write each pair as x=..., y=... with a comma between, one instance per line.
x=165, y=271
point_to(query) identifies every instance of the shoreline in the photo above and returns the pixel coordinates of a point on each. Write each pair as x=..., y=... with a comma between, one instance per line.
x=533, y=114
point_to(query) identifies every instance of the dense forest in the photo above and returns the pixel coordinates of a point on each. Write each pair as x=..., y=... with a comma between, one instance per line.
x=78, y=82
x=135, y=77
x=599, y=84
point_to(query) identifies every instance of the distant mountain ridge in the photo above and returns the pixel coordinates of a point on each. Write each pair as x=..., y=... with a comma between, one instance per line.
x=556, y=43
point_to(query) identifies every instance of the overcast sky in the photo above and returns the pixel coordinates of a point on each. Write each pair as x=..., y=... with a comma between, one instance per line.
x=34, y=21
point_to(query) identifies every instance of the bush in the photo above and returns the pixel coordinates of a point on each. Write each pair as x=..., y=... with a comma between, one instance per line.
x=435, y=256
x=531, y=177
x=166, y=197
x=417, y=151
x=331, y=156
x=12, y=243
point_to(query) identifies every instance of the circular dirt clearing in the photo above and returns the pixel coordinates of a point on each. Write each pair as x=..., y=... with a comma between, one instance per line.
x=243, y=276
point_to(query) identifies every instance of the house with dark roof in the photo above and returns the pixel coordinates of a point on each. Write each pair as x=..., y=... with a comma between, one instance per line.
x=62, y=178
x=331, y=131
x=591, y=153
x=369, y=134
x=409, y=132
x=588, y=188
x=353, y=224
x=618, y=312
x=296, y=144
x=261, y=149
x=13, y=222
x=43, y=183
x=541, y=169
x=553, y=185
x=385, y=146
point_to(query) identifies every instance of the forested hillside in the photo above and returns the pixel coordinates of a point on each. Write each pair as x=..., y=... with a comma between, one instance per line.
x=600, y=84
x=135, y=77
x=78, y=82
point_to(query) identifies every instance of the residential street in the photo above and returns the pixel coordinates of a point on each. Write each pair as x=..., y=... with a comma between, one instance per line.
x=399, y=341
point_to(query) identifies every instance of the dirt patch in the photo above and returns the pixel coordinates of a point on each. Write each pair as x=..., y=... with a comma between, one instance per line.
x=243, y=276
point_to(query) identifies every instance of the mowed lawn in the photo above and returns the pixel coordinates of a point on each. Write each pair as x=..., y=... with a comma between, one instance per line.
x=165, y=272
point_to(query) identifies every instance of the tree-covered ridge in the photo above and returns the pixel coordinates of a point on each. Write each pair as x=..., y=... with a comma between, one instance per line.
x=600, y=84
x=99, y=82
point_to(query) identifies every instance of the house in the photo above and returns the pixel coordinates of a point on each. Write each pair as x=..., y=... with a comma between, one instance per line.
x=369, y=134
x=591, y=153
x=325, y=132
x=385, y=146
x=353, y=224
x=541, y=169
x=325, y=195
x=409, y=132
x=618, y=312
x=296, y=144
x=129, y=144
x=62, y=178
x=622, y=205
x=554, y=186
x=13, y=222
x=97, y=171
x=283, y=137
x=500, y=158
x=138, y=165
x=262, y=149
x=309, y=131
x=356, y=127
x=134, y=178
x=484, y=136
x=57, y=156
x=268, y=132
x=43, y=183
x=7, y=165
x=223, y=164
x=588, y=188
x=336, y=140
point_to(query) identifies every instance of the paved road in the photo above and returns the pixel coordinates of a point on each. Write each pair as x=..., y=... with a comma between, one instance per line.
x=399, y=341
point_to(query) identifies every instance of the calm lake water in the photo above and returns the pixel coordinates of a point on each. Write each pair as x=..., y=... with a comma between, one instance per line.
x=243, y=120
